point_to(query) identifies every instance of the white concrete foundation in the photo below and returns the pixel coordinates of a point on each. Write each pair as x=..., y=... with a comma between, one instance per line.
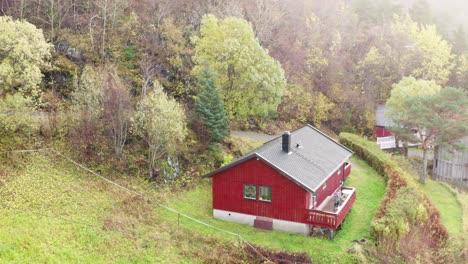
x=288, y=226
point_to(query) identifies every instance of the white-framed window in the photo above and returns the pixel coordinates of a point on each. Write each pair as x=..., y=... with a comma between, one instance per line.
x=324, y=185
x=264, y=193
x=250, y=191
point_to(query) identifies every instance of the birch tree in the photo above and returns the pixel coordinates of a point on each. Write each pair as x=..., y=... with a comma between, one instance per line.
x=117, y=110
x=161, y=122
x=23, y=53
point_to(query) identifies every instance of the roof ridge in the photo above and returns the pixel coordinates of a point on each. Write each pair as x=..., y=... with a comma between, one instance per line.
x=327, y=136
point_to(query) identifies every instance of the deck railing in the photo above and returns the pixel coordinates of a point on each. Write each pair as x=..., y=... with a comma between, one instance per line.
x=329, y=219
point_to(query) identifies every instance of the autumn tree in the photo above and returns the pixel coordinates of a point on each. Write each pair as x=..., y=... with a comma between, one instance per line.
x=301, y=106
x=266, y=17
x=103, y=22
x=373, y=75
x=51, y=14
x=250, y=81
x=210, y=108
x=428, y=48
x=174, y=52
x=23, y=53
x=117, y=109
x=86, y=109
x=440, y=119
x=161, y=122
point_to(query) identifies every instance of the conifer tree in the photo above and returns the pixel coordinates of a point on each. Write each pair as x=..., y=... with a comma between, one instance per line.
x=210, y=107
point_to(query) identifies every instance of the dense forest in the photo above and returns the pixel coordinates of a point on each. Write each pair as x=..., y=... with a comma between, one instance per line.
x=156, y=81
x=160, y=80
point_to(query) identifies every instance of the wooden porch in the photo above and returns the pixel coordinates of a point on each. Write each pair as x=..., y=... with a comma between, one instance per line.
x=327, y=215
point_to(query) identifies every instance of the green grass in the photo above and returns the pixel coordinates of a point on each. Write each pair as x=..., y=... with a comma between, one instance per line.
x=445, y=200
x=452, y=206
x=370, y=190
x=463, y=199
x=244, y=145
x=52, y=212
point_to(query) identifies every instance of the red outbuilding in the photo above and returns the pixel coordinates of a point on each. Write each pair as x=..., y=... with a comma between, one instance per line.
x=292, y=183
x=382, y=124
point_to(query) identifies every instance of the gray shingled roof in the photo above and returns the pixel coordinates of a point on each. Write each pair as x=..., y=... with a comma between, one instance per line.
x=309, y=165
x=380, y=118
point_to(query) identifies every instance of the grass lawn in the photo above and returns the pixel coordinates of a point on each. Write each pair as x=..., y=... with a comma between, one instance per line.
x=370, y=190
x=52, y=212
x=463, y=199
x=453, y=208
x=445, y=200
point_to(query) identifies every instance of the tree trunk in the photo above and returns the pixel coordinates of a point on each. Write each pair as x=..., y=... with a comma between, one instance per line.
x=424, y=166
x=397, y=144
x=150, y=176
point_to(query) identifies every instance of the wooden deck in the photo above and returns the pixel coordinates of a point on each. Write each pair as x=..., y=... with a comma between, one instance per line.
x=326, y=215
x=329, y=204
x=389, y=142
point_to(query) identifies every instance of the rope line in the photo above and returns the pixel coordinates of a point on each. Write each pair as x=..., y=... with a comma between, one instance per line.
x=140, y=195
x=25, y=150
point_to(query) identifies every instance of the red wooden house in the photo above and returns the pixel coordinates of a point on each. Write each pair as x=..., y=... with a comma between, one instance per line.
x=291, y=183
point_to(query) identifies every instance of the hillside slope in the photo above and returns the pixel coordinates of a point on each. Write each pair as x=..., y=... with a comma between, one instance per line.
x=54, y=213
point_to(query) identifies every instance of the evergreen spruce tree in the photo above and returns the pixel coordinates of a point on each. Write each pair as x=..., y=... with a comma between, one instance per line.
x=210, y=107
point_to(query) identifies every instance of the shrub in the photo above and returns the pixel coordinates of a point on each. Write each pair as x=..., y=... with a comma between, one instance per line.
x=19, y=126
x=405, y=214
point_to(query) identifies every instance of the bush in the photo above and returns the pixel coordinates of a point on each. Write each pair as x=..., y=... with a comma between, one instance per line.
x=405, y=214
x=19, y=126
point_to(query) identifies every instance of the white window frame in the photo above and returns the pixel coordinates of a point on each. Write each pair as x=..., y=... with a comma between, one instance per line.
x=260, y=193
x=255, y=191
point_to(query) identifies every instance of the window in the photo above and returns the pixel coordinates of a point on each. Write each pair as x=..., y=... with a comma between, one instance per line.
x=265, y=193
x=250, y=191
x=324, y=185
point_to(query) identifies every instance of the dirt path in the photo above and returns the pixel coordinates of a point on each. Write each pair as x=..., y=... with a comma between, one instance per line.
x=252, y=135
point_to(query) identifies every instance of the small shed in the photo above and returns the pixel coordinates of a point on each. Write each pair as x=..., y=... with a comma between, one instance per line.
x=382, y=123
x=451, y=165
x=384, y=137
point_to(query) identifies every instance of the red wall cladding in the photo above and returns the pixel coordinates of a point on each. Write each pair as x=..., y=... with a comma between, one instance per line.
x=288, y=202
x=381, y=132
x=332, y=184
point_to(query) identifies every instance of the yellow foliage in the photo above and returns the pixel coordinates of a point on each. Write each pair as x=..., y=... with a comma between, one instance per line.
x=24, y=52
